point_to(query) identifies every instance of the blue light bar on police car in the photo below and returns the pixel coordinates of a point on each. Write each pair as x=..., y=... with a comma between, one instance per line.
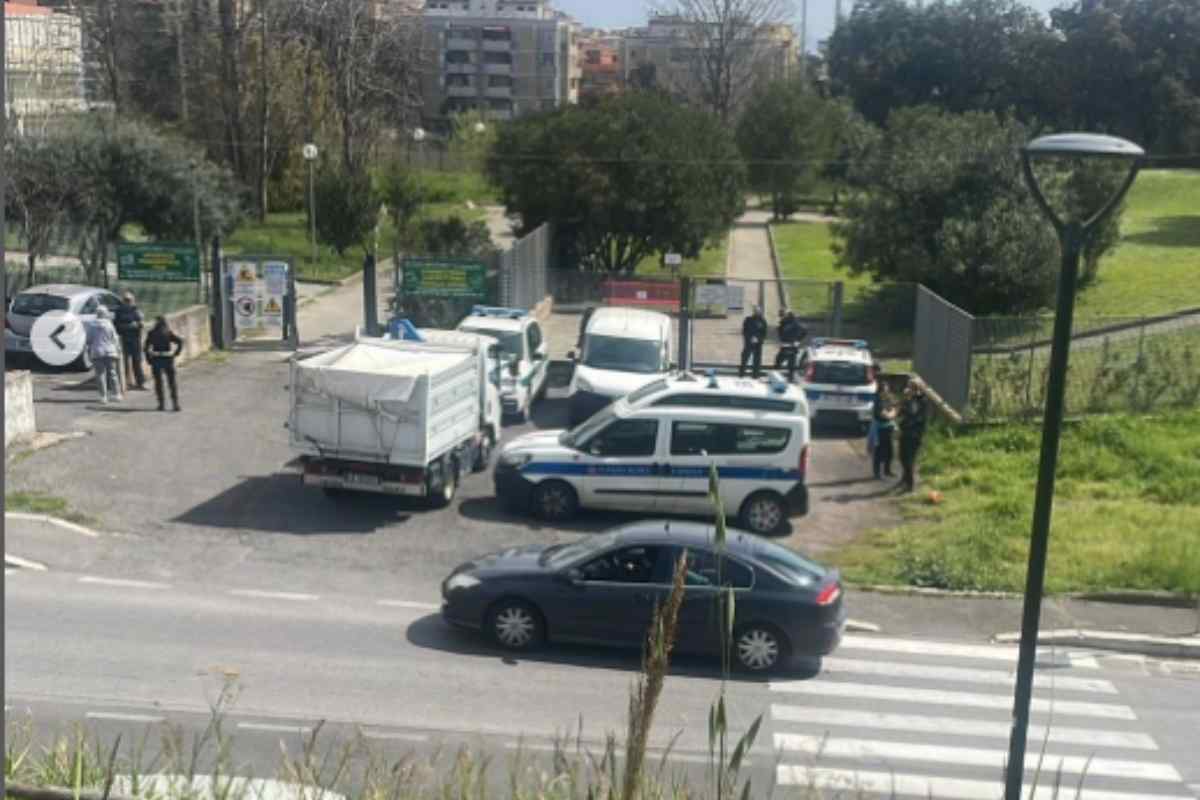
x=777, y=383
x=712, y=378
x=497, y=311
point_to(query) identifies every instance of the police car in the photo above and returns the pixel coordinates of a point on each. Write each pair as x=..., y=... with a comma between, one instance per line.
x=651, y=451
x=523, y=352
x=839, y=381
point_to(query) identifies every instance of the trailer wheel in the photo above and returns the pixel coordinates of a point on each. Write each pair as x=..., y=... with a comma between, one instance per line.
x=445, y=485
x=483, y=453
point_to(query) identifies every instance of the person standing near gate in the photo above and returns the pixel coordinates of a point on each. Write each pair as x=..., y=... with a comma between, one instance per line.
x=914, y=413
x=754, y=332
x=105, y=352
x=883, y=419
x=791, y=334
x=129, y=322
x=159, y=344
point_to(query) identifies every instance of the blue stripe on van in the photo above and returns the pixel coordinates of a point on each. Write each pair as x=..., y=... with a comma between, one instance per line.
x=730, y=473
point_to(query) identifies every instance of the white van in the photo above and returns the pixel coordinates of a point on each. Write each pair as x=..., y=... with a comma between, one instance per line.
x=523, y=351
x=651, y=452
x=622, y=350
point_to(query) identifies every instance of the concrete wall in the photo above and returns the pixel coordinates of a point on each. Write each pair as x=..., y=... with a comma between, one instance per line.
x=193, y=326
x=19, y=422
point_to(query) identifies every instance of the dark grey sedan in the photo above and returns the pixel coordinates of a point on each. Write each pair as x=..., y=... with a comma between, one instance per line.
x=603, y=589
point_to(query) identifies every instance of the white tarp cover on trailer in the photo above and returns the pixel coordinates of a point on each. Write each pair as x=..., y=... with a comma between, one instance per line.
x=372, y=376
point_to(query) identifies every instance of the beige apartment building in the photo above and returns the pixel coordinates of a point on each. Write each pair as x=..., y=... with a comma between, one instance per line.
x=502, y=57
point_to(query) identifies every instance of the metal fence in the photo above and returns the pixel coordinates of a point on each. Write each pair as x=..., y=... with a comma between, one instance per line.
x=523, y=278
x=942, y=347
x=152, y=297
x=1135, y=364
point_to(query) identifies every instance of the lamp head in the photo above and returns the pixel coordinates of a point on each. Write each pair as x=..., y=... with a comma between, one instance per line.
x=1074, y=151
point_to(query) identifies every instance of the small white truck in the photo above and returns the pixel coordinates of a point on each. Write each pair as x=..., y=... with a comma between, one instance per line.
x=395, y=417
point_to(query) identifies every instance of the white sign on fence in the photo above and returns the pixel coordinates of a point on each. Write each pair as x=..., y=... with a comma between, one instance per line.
x=735, y=298
x=711, y=294
x=673, y=259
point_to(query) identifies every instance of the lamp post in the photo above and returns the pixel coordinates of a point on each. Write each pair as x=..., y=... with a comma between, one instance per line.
x=196, y=232
x=1073, y=234
x=310, y=155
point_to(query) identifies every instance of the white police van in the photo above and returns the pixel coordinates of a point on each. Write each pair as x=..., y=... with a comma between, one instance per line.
x=622, y=350
x=651, y=452
x=839, y=381
x=523, y=351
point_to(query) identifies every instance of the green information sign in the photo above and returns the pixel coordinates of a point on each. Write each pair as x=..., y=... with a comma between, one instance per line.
x=444, y=277
x=179, y=263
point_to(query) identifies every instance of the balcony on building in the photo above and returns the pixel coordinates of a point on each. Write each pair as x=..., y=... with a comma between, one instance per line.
x=460, y=41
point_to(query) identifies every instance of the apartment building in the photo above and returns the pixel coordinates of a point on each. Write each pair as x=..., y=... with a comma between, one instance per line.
x=601, y=64
x=44, y=64
x=502, y=57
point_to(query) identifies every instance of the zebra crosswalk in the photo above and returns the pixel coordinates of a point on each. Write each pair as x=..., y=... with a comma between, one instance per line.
x=911, y=718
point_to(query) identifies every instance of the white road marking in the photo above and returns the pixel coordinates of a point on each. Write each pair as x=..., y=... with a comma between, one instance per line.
x=123, y=583
x=60, y=523
x=1051, y=763
x=820, y=718
x=394, y=736
x=890, y=784
x=908, y=694
x=1042, y=680
x=414, y=604
x=922, y=647
x=261, y=595
x=118, y=717
x=25, y=563
x=1083, y=661
x=274, y=727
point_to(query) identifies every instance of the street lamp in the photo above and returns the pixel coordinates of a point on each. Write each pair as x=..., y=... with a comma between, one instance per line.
x=1073, y=234
x=480, y=127
x=310, y=155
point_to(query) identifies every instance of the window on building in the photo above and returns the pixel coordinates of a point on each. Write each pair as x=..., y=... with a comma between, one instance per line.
x=497, y=35
x=497, y=58
x=593, y=56
x=499, y=81
x=458, y=80
x=547, y=59
x=458, y=57
x=499, y=104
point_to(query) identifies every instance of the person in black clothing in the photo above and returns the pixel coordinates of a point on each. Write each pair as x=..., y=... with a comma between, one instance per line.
x=754, y=331
x=159, y=345
x=791, y=334
x=129, y=323
x=914, y=412
x=885, y=425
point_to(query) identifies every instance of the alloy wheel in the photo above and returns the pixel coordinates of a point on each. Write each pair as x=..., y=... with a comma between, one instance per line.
x=758, y=649
x=515, y=627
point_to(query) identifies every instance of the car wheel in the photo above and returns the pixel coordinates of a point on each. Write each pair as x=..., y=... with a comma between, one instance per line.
x=764, y=512
x=760, y=648
x=555, y=501
x=515, y=625
x=484, y=453
x=443, y=495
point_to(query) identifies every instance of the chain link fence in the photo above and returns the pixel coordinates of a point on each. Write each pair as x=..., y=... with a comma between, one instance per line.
x=152, y=297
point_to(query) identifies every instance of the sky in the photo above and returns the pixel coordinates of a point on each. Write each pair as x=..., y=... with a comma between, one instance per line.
x=625, y=13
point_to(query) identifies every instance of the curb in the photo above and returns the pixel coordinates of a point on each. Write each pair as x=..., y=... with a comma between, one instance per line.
x=923, y=591
x=23, y=563
x=1115, y=597
x=1154, y=646
x=55, y=521
x=779, y=284
x=356, y=277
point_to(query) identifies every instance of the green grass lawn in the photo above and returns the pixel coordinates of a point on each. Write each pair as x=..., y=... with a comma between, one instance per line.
x=287, y=234
x=710, y=264
x=1126, y=513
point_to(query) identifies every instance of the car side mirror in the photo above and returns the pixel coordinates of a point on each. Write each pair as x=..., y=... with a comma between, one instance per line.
x=573, y=576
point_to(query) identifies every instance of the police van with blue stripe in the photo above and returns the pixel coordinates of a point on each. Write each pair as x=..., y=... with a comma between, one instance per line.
x=523, y=353
x=651, y=452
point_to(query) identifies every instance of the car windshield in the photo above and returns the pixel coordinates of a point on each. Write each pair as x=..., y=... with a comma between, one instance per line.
x=562, y=554
x=847, y=373
x=622, y=354
x=584, y=430
x=509, y=341
x=32, y=305
x=790, y=565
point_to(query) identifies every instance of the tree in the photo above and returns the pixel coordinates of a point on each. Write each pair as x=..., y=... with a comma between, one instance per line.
x=38, y=193
x=785, y=135
x=943, y=203
x=472, y=135
x=347, y=208
x=731, y=44
x=629, y=178
x=401, y=194
x=454, y=236
x=853, y=140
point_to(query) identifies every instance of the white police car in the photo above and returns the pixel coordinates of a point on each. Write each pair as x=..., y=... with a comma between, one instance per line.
x=839, y=381
x=651, y=452
x=523, y=351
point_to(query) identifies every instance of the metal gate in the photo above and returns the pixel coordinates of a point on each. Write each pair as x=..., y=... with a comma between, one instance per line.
x=942, y=348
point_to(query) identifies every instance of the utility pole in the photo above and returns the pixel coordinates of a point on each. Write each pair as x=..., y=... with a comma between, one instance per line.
x=263, y=111
x=803, y=40
x=196, y=231
x=181, y=62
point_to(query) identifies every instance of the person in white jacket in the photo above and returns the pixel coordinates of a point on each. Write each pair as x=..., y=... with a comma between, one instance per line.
x=105, y=351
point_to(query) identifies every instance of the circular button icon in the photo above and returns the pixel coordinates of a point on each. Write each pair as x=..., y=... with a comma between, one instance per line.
x=58, y=338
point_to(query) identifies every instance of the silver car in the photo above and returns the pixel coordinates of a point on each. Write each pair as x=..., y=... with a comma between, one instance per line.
x=27, y=306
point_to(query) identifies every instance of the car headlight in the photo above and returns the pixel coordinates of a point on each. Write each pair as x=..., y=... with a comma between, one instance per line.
x=515, y=459
x=461, y=581
x=582, y=385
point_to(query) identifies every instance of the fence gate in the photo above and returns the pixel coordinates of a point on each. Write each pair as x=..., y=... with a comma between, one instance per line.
x=258, y=297
x=942, y=348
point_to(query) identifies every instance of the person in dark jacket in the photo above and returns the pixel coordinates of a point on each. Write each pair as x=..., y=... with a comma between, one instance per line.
x=791, y=334
x=914, y=413
x=163, y=346
x=884, y=415
x=129, y=322
x=754, y=332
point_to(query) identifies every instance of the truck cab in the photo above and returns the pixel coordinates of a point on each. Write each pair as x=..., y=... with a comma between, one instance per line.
x=522, y=354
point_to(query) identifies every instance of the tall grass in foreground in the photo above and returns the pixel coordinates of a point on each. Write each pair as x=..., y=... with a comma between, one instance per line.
x=79, y=765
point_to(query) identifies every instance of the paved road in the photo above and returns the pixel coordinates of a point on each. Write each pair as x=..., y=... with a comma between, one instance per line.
x=930, y=716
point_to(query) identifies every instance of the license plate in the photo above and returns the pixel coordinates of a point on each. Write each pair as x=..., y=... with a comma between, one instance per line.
x=361, y=479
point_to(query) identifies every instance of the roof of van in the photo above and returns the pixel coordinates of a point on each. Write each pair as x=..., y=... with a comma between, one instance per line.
x=633, y=323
